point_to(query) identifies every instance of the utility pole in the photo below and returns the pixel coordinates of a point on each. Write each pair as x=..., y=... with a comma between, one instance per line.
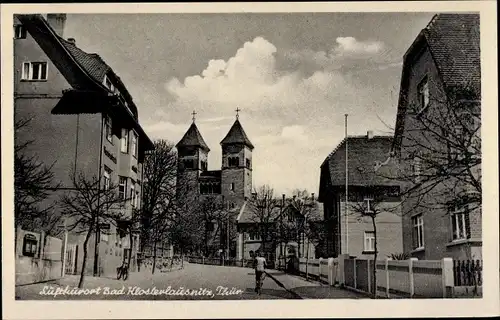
x=281, y=229
x=346, y=191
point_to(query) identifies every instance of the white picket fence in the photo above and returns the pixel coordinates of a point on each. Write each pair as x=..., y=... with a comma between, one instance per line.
x=324, y=270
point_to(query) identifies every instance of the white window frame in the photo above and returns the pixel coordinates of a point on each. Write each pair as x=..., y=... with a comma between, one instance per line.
x=418, y=224
x=132, y=194
x=137, y=198
x=368, y=204
x=231, y=186
x=125, y=143
x=122, y=194
x=107, y=179
x=134, y=147
x=369, y=241
x=458, y=216
x=27, y=75
x=20, y=32
x=423, y=94
x=108, y=125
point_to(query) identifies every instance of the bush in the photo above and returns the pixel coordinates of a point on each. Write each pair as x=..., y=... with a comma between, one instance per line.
x=400, y=256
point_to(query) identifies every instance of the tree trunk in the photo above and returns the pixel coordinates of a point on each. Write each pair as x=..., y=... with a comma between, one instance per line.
x=374, y=286
x=307, y=261
x=84, y=262
x=131, y=246
x=154, y=257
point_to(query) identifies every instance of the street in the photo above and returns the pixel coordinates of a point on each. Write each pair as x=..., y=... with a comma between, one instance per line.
x=194, y=282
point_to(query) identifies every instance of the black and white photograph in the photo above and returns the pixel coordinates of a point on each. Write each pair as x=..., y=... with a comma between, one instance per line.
x=248, y=155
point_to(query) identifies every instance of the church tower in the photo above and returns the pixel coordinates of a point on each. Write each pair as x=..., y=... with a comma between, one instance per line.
x=192, y=161
x=236, y=176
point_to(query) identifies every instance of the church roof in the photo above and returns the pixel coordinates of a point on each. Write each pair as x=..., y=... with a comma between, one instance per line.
x=193, y=138
x=237, y=135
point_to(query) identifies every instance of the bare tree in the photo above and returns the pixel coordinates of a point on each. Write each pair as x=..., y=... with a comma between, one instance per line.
x=439, y=157
x=90, y=204
x=264, y=214
x=33, y=184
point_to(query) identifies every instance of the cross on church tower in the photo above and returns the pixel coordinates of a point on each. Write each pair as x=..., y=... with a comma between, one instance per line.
x=237, y=111
x=194, y=115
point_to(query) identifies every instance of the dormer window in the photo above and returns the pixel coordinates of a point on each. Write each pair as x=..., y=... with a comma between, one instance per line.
x=423, y=95
x=19, y=32
x=108, y=84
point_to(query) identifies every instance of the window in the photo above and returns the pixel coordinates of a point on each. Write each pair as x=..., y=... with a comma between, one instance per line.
x=122, y=188
x=107, y=178
x=460, y=224
x=137, y=199
x=368, y=205
x=30, y=244
x=248, y=163
x=253, y=236
x=108, y=84
x=134, y=144
x=188, y=163
x=34, y=71
x=423, y=94
x=124, y=146
x=132, y=195
x=231, y=186
x=416, y=169
x=369, y=241
x=108, y=128
x=232, y=205
x=418, y=232
x=203, y=165
x=19, y=32
x=233, y=161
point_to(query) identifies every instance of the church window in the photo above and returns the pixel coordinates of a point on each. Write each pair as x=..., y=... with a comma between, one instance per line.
x=189, y=163
x=231, y=186
x=203, y=165
x=233, y=161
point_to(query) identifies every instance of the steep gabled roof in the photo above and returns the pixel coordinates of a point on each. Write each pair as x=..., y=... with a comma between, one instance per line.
x=363, y=155
x=454, y=43
x=193, y=138
x=237, y=135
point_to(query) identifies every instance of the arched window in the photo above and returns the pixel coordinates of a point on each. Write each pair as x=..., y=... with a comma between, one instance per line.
x=233, y=161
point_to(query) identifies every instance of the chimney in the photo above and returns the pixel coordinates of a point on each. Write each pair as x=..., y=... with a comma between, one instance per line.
x=369, y=134
x=57, y=22
x=72, y=41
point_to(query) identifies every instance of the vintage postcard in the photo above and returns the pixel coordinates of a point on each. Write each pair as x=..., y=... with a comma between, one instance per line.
x=240, y=156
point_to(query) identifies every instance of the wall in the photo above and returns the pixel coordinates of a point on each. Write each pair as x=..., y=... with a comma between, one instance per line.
x=437, y=224
x=45, y=265
x=389, y=230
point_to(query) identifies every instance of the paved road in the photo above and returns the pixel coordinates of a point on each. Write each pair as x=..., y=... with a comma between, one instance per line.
x=194, y=282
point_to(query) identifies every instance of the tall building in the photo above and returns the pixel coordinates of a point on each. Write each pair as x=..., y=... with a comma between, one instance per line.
x=232, y=184
x=441, y=92
x=81, y=119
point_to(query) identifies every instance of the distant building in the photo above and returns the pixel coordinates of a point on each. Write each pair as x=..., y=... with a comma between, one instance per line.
x=83, y=119
x=232, y=185
x=289, y=227
x=444, y=57
x=356, y=237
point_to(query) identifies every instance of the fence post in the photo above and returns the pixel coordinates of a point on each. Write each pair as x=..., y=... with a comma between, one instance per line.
x=387, y=289
x=410, y=273
x=341, y=268
x=354, y=272
x=331, y=281
x=447, y=276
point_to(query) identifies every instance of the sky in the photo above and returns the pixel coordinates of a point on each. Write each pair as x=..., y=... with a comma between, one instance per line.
x=293, y=75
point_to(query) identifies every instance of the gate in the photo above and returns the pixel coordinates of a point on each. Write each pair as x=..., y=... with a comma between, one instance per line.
x=70, y=259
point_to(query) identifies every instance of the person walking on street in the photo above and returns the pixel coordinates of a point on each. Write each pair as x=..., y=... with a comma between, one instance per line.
x=260, y=265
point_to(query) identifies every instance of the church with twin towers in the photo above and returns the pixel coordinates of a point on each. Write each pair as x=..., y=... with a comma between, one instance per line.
x=232, y=184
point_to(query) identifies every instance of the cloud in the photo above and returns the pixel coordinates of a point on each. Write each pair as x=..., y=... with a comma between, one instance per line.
x=293, y=118
x=349, y=45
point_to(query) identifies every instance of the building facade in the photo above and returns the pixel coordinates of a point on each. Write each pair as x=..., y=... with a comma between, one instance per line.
x=81, y=120
x=231, y=186
x=369, y=184
x=443, y=61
